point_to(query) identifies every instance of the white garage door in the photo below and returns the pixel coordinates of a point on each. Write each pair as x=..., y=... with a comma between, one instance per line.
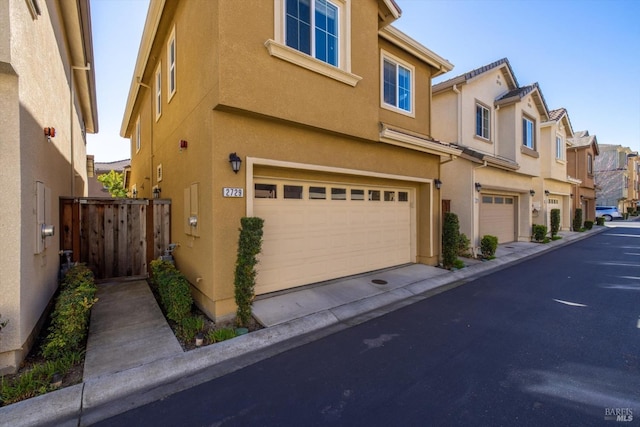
x=497, y=217
x=553, y=204
x=321, y=231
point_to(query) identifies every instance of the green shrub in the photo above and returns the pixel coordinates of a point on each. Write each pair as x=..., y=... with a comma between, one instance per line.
x=3, y=323
x=70, y=317
x=219, y=335
x=577, y=220
x=458, y=263
x=190, y=326
x=588, y=225
x=463, y=245
x=249, y=246
x=174, y=290
x=539, y=232
x=555, y=221
x=450, y=239
x=488, y=246
x=600, y=220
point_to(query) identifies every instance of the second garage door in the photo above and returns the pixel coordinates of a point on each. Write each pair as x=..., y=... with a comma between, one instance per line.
x=320, y=231
x=497, y=217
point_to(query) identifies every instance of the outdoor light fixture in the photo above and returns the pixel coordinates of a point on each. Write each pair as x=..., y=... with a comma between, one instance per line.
x=156, y=192
x=571, y=195
x=532, y=192
x=193, y=221
x=50, y=133
x=235, y=162
x=183, y=144
x=478, y=186
x=546, y=192
x=438, y=183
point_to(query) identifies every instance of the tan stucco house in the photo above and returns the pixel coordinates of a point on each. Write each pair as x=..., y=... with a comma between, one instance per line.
x=497, y=124
x=581, y=155
x=615, y=176
x=553, y=187
x=330, y=117
x=47, y=105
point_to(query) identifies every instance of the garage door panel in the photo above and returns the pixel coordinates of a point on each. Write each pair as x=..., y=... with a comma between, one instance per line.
x=308, y=240
x=497, y=217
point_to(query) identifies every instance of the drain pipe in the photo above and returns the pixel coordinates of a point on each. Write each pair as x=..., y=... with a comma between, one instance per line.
x=473, y=209
x=459, y=112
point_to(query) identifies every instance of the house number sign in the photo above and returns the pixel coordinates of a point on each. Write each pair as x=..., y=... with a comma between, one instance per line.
x=232, y=192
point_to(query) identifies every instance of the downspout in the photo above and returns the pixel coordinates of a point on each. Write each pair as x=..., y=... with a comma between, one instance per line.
x=473, y=217
x=495, y=136
x=459, y=115
x=151, y=107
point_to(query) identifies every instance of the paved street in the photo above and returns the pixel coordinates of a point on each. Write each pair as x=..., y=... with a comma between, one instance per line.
x=553, y=341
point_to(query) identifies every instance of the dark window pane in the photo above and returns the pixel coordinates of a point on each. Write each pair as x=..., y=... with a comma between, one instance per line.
x=293, y=192
x=338, y=194
x=374, y=195
x=317, y=193
x=357, y=194
x=389, y=196
x=403, y=196
x=265, y=191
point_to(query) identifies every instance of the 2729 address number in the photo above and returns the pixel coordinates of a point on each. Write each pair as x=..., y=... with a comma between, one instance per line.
x=232, y=192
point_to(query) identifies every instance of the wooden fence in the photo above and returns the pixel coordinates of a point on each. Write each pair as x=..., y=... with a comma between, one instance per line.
x=115, y=237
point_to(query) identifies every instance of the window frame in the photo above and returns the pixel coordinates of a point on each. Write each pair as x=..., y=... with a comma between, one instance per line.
x=158, y=91
x=559, y=148
x=488, y=119
x=525, y=119
x=313, y=29
x=278, y=48
x=589, y=164
x=172, y=59
x=388, y=57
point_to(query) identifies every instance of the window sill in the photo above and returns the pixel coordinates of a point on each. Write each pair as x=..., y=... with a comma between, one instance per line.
x=483, y=139
x=561, y=161
x=529, y=152
x=398, y=110
x=298, y=58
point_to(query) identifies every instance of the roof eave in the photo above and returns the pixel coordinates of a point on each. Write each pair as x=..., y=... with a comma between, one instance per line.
x=411, y=46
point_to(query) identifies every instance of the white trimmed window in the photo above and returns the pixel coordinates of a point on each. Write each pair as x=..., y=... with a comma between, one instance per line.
x=589, y=164
x=397, y=84
x=171, y=65
x=528, y=133
x=559, y=148
x=483, y=120
x=138, y=135
x=316, y=35
x=158, y=92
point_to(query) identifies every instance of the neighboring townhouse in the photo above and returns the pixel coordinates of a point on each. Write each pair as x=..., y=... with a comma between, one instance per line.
x=634, y=182
x=316, y=120
x=96, y=189
x=47, y=105
x=614, y=174
x=581, y=155
x=553, y=188
x=497, y=125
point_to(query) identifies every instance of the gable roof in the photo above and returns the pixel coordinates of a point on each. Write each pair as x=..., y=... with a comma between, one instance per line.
x=582, y=139
x=560, y=115
x=516, y=95
x=388, y=11
x=503, y=63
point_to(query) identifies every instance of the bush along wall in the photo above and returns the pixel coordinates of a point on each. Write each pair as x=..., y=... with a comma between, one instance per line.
x=577, y=220
x=450, y=239
x=249, y=246
x=488, y=246
x=555, y=222
x=174, y=290
x=539, y=232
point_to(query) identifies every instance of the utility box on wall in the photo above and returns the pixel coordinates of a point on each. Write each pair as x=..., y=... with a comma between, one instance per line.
x=44, y=230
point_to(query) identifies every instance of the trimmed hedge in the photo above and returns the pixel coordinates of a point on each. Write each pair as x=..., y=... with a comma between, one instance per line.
x=249, y=246
x=577, y=220
x=555, y=222
x=488, y=246
x=70, y=317
x=539, y=232
x=450, y=239
x=174, y=290
x=588, y=225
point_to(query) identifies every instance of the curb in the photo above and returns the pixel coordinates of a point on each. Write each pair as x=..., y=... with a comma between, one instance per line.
x=106, y=396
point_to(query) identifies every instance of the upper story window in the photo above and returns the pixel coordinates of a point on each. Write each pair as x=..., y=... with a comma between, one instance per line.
x=316, y=35
x=312, y=28
x=589, y=164
x=483, y=122
x=171, y=64
x=138, y=137
x=158, y=92
x=559, y=148
x=528, y=133
x=397, y=84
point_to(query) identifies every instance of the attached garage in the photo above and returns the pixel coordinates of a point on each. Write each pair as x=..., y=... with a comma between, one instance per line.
x=316, y=231
x=497, y=217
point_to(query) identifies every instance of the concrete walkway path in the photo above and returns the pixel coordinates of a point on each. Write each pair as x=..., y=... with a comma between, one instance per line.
x=127, y=330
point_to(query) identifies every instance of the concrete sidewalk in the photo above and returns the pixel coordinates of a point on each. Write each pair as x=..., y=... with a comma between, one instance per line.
x=134, y=359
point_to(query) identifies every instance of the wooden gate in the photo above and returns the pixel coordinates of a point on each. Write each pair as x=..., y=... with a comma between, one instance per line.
x=115, y=237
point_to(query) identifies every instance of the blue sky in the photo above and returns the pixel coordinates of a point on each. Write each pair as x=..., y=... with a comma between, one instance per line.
x=585, y=54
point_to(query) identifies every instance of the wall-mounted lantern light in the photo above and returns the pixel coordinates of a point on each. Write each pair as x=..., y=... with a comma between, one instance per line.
x=532, y=193
x=235, y=162
x=581, y=197
x=571, y=195
x=478, y=186
x=156, y=192
x=438, y=183
x=50, y=133
x=193, y=221
x=546, y=192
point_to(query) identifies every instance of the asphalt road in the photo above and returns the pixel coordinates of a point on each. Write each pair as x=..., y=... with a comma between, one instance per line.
x=553, y=341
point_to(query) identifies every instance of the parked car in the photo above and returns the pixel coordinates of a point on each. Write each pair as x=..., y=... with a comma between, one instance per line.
x=608, y=212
